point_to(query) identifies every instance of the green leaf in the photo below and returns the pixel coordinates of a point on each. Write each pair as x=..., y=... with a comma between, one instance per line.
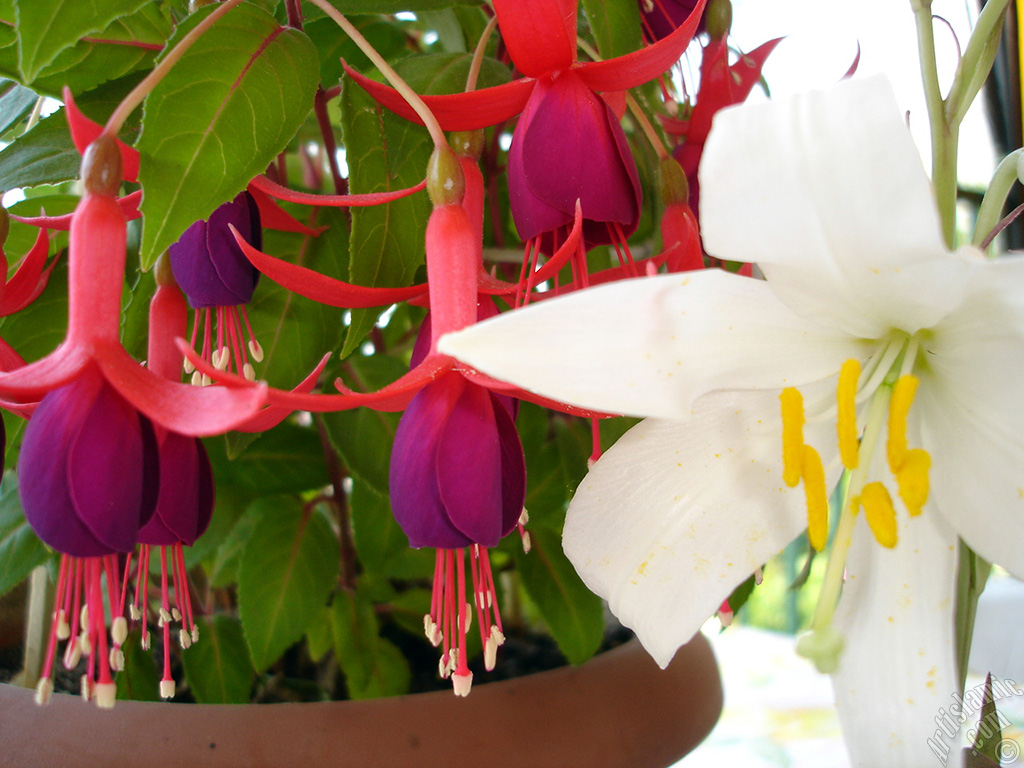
x=615, y=24
x=139, y=680
x=47, y=27
x=217, y=666
x=20, y=548
x=363, y=436
x=572, y=612
x=373, y=666
x=320, y=635
x=128, y=44
x=15, y=103
x=386, y=244
x=391, y=6
x=288, y=569
x=296, y=332
x=224, y=570
x=382, y=545
x=287, y=459
x=44, y=155
x=226, y=109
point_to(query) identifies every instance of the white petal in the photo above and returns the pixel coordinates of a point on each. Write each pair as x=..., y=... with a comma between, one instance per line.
x=826, y=192
x=897, y=673
x=677, y=514
x=651, y=346
x=971, y=415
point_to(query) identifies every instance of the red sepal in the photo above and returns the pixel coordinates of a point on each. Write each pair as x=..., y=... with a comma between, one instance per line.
x=326, y=290
x=456, y=111
x=540, y=34
x=84, y=131
x=129, y=205
x=636, y=68
x=272, y=188
x=30, y=279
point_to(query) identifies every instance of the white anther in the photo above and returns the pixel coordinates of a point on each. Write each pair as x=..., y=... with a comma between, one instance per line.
x=165, y=617
x=105, y=694
x=85, y=688
x=85, y=643
x=175, y=614
x=527, y=543
x=442, y=666
x=206, y=381
x=462, y=683
x=524, y=517
x=186, y=365
x=249, y=372
x=256, y=351
x=466, y=618
x=83, y=616
x=116, y=659
x=197, y=379
x=119, y=630
x=72, y=654
x=497, y=635
x=44, y=691
x=195, y=633
x=220, y=358
x=183, y=639
x=490, y=654
x=145, y=640
x=167, y=689
x=63, y=628
x=133, y=611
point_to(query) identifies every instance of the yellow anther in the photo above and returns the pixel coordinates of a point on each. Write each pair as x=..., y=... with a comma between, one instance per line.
x=846, y=422
x=913, y=479
x=899, y=406
x=879, y=511
x=792, y=435
x=813, y=474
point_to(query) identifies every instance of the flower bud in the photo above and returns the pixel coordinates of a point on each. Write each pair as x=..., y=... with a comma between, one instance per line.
x=718, y=18
x=163, y=273
x=101, y=166
x=672, y=184
x=446, y=183
x=467, y=143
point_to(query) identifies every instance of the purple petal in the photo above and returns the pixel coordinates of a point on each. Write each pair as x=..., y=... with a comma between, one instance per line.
x=666, y=16
x=531, y=214
x=186, y=493
x=574, y=147
x=106, y=470
x=207, y=262
x=513, y=468
x=415, y=498
x=42, y=468
x=469, y=467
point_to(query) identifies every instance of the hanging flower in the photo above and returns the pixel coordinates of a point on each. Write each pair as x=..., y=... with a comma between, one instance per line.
x=87, y=475
x=96, y=260
x=458, y=482
x=895, y=360
x=568, y=144
x=218, y=280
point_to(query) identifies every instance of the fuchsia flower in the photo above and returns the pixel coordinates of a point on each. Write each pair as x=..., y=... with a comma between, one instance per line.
x=218, y=280
x=662, y=17
x=568, y=144
x=88, y=476
x=96, y=259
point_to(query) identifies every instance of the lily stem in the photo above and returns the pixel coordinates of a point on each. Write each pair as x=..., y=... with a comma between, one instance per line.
x=159, y=72
x=943, y=134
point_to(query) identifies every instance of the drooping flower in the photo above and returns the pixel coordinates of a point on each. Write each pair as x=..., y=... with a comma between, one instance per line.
x=862, y=307
x=96, y=259
x=568, y=144
x=87, y=475
x=218, y=280
x=458, y=482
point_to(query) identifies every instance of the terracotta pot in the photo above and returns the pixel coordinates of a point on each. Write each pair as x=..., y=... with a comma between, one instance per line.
x=618, y=709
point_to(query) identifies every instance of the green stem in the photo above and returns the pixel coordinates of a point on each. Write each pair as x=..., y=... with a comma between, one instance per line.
x=413, y=98
x=140, y=91
x=976, y=63
x=944, y=136
x=995, y=197
x=478, y=54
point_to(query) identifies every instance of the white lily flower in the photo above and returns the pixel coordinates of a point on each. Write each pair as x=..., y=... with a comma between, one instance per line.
x=826, y=193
